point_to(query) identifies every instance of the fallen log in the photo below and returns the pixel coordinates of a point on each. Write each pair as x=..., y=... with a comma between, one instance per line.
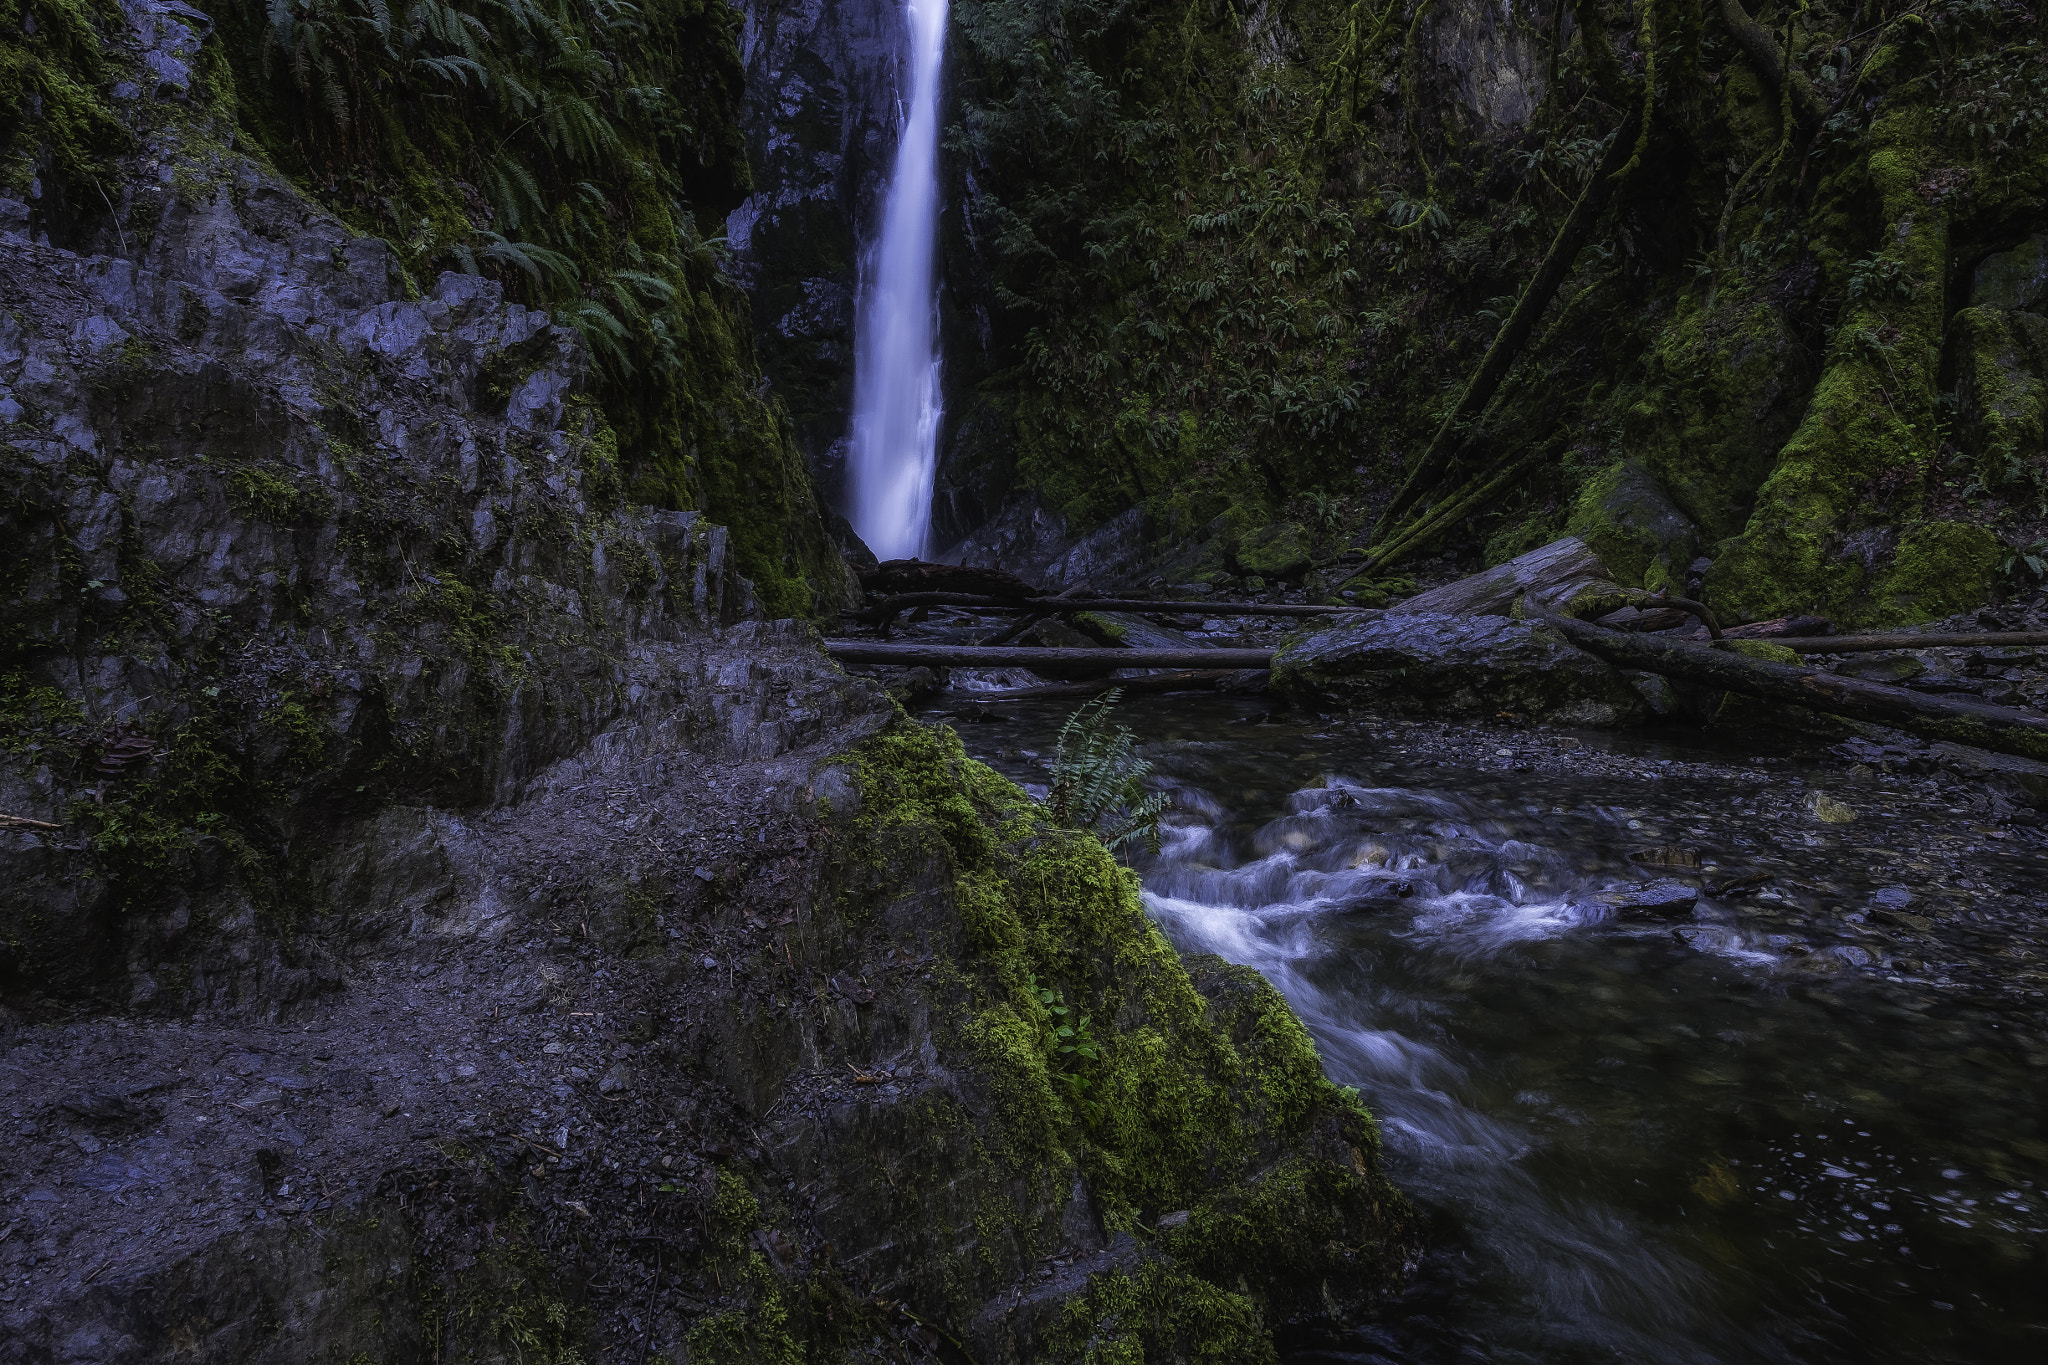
x=2000, y=729
x=917, y=575
x=893, y=607
x=1868, y=644
x=1492, y=592
x=1191, y=680
x=912, y=653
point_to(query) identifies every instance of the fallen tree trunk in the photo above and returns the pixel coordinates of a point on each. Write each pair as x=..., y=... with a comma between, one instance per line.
x=1029, y=656
x=1772, y=65
x=1980, y=724
x=1869, y=644
x=1192, y=680
x=1067, y=606
x=1491, y=593
x=917, y=575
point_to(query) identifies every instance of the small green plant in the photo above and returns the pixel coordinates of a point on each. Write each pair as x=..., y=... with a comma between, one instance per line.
x=2034, y=558
x=1072, y=1047
x=1098, y=784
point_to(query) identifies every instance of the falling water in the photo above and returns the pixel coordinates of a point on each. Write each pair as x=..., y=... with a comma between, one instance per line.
x=896, y=363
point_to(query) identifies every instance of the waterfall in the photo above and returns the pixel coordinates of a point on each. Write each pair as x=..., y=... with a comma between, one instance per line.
x=896, y=357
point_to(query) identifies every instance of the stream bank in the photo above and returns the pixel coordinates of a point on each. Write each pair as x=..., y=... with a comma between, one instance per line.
x=1798, y=1120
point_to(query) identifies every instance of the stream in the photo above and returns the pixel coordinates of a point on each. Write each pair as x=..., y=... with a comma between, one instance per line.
x=1802, y=1121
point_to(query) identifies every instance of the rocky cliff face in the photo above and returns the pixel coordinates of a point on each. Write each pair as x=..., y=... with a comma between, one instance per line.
x=442, y=918
x=820, y=116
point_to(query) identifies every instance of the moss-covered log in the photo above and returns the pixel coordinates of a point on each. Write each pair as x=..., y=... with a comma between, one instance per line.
x=1871, y=644
x=1997, y=728
x=1187, y=680
x=895, y=606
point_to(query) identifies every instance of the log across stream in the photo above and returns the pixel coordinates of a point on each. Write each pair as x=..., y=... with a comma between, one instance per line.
x=2000, y=729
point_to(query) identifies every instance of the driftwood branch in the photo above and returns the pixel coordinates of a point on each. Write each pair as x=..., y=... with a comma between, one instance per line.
x=23, y=822
x=1869, y=644
x=2000, y=729
x=1194, y=680
x=1026, y=656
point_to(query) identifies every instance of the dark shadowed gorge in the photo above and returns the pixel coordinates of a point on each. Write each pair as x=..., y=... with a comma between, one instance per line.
x=493, y=870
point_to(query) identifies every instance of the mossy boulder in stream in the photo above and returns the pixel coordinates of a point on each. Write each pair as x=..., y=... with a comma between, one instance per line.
x=1192, y=1155
x=1453, y=666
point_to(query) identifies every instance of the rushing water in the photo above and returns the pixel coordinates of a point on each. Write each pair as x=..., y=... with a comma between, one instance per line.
x=1758, y=1131
x=896, y=405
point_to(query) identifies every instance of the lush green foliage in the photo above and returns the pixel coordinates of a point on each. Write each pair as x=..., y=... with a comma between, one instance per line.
x=1098, y=781
x=54, y=114
x=582, y=152
x=1242, y=263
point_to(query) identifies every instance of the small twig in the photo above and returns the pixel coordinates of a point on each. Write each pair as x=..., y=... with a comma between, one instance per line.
x=120, y=235
x=23, y=822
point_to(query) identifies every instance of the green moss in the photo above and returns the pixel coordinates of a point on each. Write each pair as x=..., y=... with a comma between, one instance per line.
x=507, y=1302
x=1280, y=551
x=1872, y=415
x=1624, y=516
x=1942, y=567
x=257, y=492
x=1203, y=1071
x=1160, y=1314
x=758, y=1334
x=38, y=722
x=2000, y=360
x=58, y=121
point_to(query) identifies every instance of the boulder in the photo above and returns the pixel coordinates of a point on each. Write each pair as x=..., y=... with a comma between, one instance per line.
x=1442, y=666
x=1279, y=551
x=1632, y=524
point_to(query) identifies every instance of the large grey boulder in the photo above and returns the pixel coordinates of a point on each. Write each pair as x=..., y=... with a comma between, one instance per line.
x=1442, y=666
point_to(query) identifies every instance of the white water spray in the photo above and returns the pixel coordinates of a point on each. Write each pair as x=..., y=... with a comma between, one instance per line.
x=896, y=356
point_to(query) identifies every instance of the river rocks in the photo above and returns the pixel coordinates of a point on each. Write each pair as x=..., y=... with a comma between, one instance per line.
x=1657, y=900
x=1828, y=810
x=1440, y=665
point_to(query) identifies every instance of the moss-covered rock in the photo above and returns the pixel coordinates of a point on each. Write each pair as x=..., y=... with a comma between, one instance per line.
x=1723, y=388
x=1201, y=1096
x=2000, y=361
x=1635, y=528
x=1942, y=567
x=1280, y=551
